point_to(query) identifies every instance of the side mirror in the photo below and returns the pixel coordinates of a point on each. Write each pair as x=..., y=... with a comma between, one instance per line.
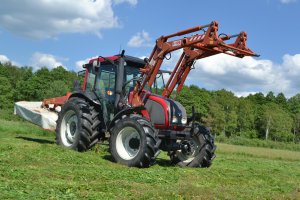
x=96, y=65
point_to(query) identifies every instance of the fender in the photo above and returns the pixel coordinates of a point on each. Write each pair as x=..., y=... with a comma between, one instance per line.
x=90, y=98
x=128, y=111
x=59, y=101
x=96, y=101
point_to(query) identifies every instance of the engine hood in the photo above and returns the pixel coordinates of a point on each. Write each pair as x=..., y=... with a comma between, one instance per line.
x=165, y=112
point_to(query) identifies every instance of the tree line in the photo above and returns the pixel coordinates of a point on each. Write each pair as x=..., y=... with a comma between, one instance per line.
x=260, y=116
x=21, y=83
x=269, y=117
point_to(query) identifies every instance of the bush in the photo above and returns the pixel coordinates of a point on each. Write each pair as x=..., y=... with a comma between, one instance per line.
x=6, y=93
x=221, y=138
x=248, y=134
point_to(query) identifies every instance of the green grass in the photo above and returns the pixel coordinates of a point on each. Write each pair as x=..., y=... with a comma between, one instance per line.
x=255, y=142
x=32, y=166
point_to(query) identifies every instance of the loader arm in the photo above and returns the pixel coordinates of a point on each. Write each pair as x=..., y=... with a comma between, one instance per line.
x=195, y=47
x=163, y=47
x=199, y=51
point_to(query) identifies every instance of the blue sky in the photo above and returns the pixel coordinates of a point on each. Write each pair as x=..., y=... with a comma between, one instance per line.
x=65, y=32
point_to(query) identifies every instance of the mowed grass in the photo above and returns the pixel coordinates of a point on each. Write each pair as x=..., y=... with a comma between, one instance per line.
x=32, y=166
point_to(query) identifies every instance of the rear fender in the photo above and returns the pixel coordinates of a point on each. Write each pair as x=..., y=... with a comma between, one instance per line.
x=84, y=95
x=141, y=110
x=95, y=101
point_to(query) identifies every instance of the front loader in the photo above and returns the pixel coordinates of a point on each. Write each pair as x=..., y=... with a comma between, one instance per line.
x=116, y=100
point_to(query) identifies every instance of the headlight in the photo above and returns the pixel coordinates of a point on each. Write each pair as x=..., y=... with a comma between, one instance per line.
x=184, y=120
x=174, y=119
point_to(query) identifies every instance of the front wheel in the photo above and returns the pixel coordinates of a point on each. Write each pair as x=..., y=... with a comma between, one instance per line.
x=133, y=142
x=198, y=151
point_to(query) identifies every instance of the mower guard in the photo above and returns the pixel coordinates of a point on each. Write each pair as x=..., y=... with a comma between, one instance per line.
x=33, y=112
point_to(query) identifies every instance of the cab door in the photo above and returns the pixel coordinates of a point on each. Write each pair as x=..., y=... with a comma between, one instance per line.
x=105, y=85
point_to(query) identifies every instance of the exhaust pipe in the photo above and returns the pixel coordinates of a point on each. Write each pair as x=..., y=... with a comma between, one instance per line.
x=120, y=79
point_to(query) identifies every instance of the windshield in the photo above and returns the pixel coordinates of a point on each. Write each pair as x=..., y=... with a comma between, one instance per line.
x=159, y=84
x=130, y=73
x=133, y=72
x=105, y=82
x=106, y=79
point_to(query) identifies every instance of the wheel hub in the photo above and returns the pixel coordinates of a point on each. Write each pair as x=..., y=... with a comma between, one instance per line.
x=73, y=128
x=134, y=143
x=187, y=148
x=68, y=128
x=128, y=143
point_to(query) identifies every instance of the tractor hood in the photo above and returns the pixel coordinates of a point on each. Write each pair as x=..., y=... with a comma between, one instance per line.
x=165, y=112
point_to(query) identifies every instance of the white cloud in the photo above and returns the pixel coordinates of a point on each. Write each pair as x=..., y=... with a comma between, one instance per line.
x=46, y=19
x=79, y=63
x=240, y=75
x=245, y=76
x=39, y=60
x=287, y=1
x=4, y=59
x=140, y=39
x=244, y=94
x=291, y=64
x=131, y=2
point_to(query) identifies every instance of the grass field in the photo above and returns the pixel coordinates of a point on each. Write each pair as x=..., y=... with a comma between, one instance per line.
x=32, y=166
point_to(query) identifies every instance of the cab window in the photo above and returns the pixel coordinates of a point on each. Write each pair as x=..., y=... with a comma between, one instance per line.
x=106, y=81
x=90, y=80
x=131, y=72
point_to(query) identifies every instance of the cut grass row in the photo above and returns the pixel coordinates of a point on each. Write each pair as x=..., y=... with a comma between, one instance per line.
x=32, y=166
x=255, y=142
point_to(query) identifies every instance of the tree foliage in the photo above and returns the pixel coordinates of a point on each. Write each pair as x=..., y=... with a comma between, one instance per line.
x=24, y=84
x=271, y=117
x=275, y=123
x=6, y=92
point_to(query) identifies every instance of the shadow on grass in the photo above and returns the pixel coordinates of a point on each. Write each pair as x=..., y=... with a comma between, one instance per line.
x=108, y=157
x=41, y=141
x=164, y=162
x=159, y=161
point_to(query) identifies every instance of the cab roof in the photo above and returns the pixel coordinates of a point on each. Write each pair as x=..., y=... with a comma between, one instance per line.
x=132, y=61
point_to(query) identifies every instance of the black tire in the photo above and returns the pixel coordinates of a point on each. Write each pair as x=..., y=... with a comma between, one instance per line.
x=204, y=150
x=77, y=125
x=133, y=142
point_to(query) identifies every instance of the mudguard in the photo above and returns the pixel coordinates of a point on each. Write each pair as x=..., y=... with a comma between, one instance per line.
x=127, y=111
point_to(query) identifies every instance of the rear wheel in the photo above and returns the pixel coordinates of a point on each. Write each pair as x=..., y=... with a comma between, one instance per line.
x=197, y=151
x=133, y=142
x=77, y=125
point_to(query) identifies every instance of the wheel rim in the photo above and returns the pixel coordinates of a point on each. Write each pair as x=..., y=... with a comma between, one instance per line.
x=189, y=156
x=69, y=128
x=128, y=143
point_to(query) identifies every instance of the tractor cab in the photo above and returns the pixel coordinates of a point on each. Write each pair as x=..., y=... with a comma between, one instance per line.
x=102, y=75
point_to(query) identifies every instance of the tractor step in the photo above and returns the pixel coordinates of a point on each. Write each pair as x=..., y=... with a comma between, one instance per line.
x=33, y=112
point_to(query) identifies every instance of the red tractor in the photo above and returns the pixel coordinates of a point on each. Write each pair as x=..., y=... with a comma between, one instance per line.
x=116, y=100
